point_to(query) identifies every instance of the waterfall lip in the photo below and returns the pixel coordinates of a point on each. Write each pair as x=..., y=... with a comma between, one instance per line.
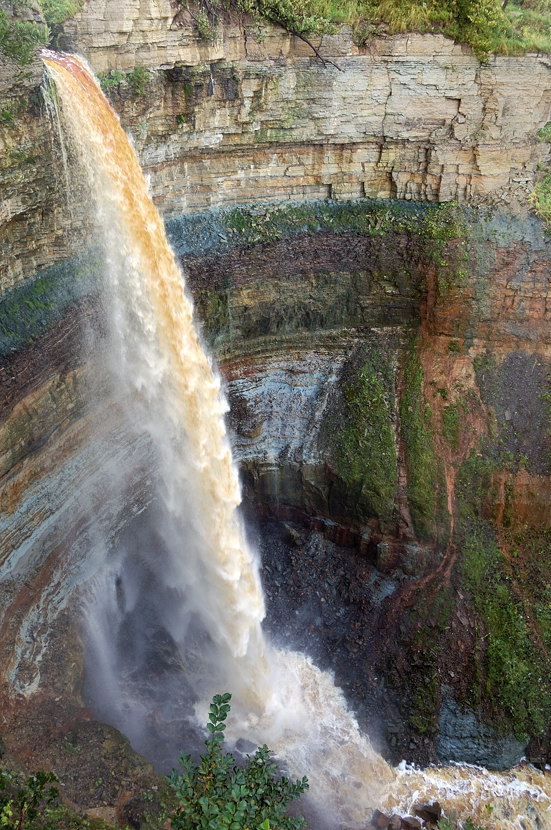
x=74, y=64
x=57, y=57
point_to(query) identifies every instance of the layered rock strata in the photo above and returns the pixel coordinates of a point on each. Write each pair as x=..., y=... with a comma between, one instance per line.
x=387, y=363
x=256, y=116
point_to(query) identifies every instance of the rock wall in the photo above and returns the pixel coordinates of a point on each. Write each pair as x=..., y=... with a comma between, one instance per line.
x=255, y=116
x=428, y=329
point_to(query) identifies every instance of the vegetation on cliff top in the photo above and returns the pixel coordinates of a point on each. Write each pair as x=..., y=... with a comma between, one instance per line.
x=501, y=26
x=19, y=38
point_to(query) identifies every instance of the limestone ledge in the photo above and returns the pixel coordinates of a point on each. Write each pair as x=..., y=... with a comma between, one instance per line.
x=234, y=121
x=402, y=122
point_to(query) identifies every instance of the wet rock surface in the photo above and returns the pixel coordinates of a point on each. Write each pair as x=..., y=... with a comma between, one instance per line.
x=463, y=737
x=327, y=600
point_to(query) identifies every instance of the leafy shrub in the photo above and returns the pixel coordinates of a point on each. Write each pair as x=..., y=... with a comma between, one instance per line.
x=218, y=793
x=138, y=79
x=300, y=18
x=20, y=38
x=112, y=80
x=57, y=11
x=206, y=28
x=27, y=804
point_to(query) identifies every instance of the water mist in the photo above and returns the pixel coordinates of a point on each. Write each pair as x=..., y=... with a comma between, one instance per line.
x=176, y=607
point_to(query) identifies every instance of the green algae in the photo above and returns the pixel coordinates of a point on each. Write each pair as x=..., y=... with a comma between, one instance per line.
x=420, y=455
x=511, y=674
x=363, y=440
x=31, y=307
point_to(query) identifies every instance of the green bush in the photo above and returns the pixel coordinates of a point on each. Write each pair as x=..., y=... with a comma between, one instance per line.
x=206, y=27
x=138, y=79
x=27, y=804
x=218, y=794
x=20, y=38
x=57, y=11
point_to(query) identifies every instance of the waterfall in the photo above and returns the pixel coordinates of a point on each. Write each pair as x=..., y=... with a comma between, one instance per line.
x=192, y=569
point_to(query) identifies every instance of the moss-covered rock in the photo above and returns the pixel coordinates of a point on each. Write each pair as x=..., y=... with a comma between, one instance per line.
x=420, y=455
x=362, y=436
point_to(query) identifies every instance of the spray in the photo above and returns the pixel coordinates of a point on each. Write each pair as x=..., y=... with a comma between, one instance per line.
x=186, y=582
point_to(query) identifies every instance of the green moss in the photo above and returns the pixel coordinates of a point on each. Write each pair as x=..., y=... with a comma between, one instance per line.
x=530, y=549
x=30, y=308
x=34, y=802
x=510, y=672
x=514, y=676
x=420, y=456
x=474, y=487
x=213, y=310
x=451, y=423
x=430, y=618
x=363, y=440
x=435, y=226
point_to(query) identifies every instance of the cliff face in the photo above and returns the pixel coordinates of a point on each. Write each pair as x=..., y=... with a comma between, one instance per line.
x=255, y=116
x=387, y=361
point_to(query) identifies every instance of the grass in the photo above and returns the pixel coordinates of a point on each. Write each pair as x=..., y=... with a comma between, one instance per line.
x=482, y=24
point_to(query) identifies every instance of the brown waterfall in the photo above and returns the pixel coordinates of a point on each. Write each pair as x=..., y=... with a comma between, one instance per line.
x=280, y=697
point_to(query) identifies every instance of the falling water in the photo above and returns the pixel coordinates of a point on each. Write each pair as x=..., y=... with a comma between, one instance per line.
x=197, y=559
